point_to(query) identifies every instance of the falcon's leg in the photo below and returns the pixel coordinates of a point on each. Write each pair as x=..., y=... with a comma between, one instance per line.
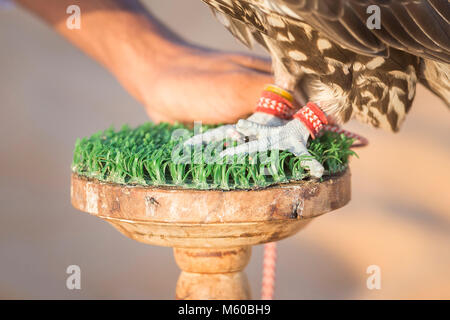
x=283, y=78
x=288, y=81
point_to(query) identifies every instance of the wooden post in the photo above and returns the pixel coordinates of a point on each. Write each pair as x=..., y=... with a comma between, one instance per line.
x=212, y=274
x=211, y=231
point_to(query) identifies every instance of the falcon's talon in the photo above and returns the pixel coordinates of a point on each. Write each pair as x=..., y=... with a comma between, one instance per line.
x=315, y=168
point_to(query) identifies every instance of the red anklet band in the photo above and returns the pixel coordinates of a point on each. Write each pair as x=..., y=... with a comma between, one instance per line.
x=312, y=117
x=275, y=104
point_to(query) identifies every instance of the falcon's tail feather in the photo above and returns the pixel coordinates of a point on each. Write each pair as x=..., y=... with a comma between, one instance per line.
x=436, y=77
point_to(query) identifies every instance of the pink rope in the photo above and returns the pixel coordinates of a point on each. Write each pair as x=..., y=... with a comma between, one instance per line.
x=270, y=249
x=362, y=142
x=269, y=265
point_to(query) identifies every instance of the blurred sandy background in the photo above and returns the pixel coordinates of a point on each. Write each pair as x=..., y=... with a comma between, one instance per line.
x=50, y=94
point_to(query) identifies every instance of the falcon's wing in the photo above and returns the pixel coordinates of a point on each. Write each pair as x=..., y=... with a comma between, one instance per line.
x=419, y=27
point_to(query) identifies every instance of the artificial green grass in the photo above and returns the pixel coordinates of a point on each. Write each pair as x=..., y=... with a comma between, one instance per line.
x=151, y=155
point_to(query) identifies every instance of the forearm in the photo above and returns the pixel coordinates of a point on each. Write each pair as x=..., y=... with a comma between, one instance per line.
x=174, y=80
x=120, y=34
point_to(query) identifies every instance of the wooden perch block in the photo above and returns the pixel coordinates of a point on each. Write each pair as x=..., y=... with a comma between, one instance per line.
x=211, y=231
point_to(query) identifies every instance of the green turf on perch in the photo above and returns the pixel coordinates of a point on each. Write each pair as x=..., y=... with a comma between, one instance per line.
x=153, y=154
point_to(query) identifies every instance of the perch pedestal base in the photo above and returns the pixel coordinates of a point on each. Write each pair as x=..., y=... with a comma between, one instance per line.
x=211, y=274
x=211, y=231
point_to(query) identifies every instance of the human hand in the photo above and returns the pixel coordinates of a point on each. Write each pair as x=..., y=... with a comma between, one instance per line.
x=190, y=84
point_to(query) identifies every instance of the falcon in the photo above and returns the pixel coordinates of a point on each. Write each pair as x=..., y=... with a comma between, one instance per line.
x=335, y=57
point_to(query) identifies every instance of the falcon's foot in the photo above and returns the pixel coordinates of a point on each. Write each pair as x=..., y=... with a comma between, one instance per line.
x=291, y=136
x=278, y=134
